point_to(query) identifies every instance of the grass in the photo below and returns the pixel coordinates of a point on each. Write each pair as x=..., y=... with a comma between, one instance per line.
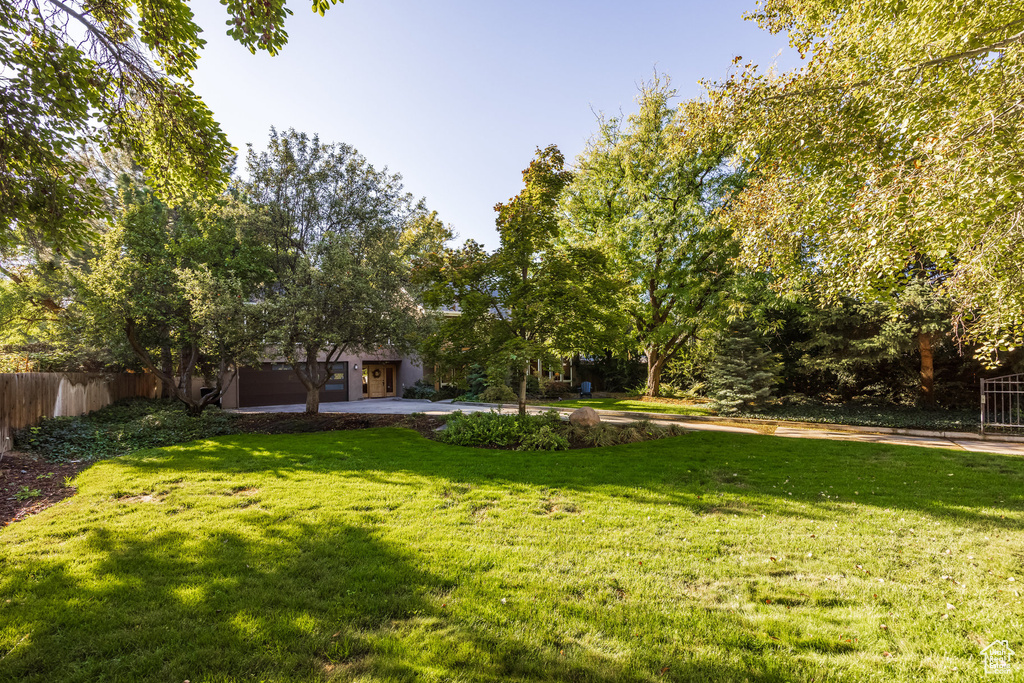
x=378, y=555
x=631, y=405
x=906, y=417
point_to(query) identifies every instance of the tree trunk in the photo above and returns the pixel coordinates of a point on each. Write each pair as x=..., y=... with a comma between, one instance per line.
x=522, y=388
x=313, y=386
x=167, y=365
x=924, y=344
x=655, y=364
x=312, y=401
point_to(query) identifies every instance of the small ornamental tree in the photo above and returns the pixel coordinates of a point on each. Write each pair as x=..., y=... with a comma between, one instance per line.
x=340, y=265
x=532, y=298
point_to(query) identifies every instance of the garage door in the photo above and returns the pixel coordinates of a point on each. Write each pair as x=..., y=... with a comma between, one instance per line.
x=275, y=384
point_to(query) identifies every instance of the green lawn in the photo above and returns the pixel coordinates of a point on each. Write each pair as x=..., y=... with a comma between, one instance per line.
x=380, y=556
x=631, y=405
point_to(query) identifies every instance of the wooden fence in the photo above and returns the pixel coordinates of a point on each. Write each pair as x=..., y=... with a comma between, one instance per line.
x=26, y=398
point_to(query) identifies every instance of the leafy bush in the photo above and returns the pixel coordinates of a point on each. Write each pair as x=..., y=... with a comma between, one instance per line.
x=119, y=429
x=549, y=388
x=545, y=432
x=544, y=439
x=476, y=378
x=487, y=429
x=499, y=393
x=447, y=391
x=424, y=391
x=421, y=390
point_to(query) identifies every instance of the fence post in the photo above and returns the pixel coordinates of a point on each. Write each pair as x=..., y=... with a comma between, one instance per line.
x=983, y=407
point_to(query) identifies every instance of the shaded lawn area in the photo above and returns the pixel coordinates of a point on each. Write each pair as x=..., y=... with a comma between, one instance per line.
x=631, y=405
x=378, y=555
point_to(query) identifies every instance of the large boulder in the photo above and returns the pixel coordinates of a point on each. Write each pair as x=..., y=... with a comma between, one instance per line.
x=585, y=417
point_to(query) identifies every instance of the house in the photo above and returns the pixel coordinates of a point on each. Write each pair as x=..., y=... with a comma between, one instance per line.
x=357, y=376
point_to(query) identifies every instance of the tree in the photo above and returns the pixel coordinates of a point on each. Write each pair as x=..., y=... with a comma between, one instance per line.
x=743, y=374
x=177, y=286
x=900, y=139
x=68, y=65
x=532, y=298
x=646, y=193
x=339, y=265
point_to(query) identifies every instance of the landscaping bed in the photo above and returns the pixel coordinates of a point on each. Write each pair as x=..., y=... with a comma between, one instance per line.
x=30, y=484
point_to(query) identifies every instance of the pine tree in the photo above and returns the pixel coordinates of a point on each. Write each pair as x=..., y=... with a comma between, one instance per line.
x=743, y=374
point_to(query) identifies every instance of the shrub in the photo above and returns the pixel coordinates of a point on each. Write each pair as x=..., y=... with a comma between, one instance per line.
x=544, y=439
x=546, y=432
x=552, y=389
x=476, y=380
x=446, y=392
x=421, y=390
x=485, y=429
x=499, y=393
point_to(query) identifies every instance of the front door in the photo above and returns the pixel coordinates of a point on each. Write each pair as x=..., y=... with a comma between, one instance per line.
x=376, y=381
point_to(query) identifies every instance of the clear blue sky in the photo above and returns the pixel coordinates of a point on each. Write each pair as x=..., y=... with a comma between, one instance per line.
x=456, y=94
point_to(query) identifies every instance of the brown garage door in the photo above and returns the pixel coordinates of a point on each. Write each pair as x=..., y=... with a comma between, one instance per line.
x=276, y=384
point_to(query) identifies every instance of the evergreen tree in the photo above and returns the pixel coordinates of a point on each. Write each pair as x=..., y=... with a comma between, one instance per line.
x=743, y=374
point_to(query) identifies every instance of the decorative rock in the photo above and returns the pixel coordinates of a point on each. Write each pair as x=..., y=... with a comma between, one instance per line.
x=585, y=417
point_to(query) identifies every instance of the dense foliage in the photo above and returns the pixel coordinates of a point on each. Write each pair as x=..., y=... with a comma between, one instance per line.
x=68, y=65
x=646, y=193
x=544, y=432
x=178, y=286
x=120, y=429
x=867, y=414
x=899, y=140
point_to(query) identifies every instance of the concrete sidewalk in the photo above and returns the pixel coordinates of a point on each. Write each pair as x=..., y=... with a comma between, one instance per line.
x=404, y=406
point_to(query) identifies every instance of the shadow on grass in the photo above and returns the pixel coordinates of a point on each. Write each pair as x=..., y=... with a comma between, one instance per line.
x=266, y=597
x=302, y=603
x=705, y=472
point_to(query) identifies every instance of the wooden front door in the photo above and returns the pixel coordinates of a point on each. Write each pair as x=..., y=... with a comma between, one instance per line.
x=376, y=378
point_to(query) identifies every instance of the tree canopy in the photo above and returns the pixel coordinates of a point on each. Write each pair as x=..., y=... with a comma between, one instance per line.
x=117, y=73
x=340, y=264
x=899, y=141
x=179, y=287
x=645, y=194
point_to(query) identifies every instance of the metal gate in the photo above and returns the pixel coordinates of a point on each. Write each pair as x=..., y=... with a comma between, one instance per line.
x=1001, y=402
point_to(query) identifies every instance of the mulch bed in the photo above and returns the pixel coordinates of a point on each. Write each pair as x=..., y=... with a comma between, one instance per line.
x=297, y=423
x=20, y=470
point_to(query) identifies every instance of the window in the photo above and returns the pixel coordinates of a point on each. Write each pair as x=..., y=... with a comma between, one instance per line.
x=338, y=381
